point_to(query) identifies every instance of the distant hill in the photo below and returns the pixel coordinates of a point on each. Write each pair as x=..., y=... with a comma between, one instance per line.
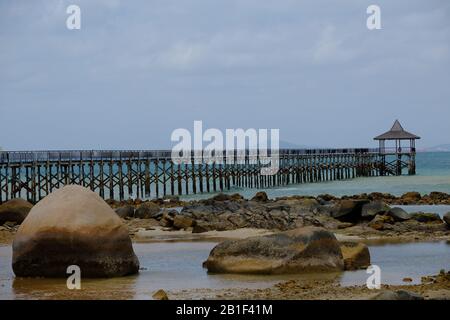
x=438, y=148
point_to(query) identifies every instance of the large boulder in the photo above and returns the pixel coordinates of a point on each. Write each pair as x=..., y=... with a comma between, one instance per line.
x=147, y=210
x=348, y=210
x=370, y=210
x=73, y=226
x=14, y=210
x=356, y=255
x=308, y=249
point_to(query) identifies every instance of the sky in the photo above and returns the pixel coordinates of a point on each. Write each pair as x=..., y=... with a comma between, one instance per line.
x=138, y=70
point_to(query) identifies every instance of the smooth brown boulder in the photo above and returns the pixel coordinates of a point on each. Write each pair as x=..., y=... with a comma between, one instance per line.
x=73, y=226
x=308, y=249
x=356, y=255
x=14, y=210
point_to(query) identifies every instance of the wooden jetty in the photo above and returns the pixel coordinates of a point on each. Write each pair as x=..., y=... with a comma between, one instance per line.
x=152, y=174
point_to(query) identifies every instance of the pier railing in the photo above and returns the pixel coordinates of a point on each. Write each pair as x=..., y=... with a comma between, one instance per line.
x=11, y=157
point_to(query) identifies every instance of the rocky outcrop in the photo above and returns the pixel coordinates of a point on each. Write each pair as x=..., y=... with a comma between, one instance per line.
x=356, y=255
x=300, y=250
x=14, y=210
x=73, y=226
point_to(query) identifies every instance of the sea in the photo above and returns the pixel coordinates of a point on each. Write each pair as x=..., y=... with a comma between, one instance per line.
x=433, y=174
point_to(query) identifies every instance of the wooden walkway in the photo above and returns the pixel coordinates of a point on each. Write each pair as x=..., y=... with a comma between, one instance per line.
x=152, y=174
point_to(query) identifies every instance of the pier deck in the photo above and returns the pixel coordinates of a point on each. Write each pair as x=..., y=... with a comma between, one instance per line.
x=152, y=174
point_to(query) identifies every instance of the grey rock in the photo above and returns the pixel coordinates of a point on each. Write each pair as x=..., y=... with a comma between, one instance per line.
x=370, y=210
x=398, y=214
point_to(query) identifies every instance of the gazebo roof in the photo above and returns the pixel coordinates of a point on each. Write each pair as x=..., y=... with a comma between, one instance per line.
x=396, y=133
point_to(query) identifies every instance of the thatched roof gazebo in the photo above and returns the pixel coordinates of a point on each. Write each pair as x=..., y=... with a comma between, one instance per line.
x=397, y=134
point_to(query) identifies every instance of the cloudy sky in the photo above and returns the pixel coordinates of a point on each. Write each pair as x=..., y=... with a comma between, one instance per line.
x=137, y=70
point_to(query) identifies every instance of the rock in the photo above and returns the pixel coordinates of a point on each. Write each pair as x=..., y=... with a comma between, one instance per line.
x=126, y=211
x=370, y=210
x=308, y=249
x=160, y=295
x=348, y=210
x=326, y=197
x=182, y=222
x=398, y=214
x=412, y=196
x=73, y=226
x=147, y=210
x=380, y=221
x=344, y=225
x=426, y=217
x=356, y=255
x=167, y=219
x=221, y=197
x=15, y=210
x=407, y=280
x=260, y=196
x=309, y=203
x=439, y=196
x=236, y=197
x=199, y=228
x=397, y=295
x=447, y=219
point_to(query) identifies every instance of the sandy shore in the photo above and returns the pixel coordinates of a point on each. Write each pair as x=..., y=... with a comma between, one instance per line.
x=314, y=290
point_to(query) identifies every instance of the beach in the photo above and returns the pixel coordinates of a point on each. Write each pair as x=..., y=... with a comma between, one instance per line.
x=173, y=237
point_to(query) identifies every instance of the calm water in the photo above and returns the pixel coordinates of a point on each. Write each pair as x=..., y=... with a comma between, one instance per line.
x=433, y=174
x=178, y=266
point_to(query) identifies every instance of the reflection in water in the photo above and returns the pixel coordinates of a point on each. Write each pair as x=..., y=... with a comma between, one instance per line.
x=116, y=288
x=178, y=266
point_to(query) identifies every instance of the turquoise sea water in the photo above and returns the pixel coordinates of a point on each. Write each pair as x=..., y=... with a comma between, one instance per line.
x=433, y=174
